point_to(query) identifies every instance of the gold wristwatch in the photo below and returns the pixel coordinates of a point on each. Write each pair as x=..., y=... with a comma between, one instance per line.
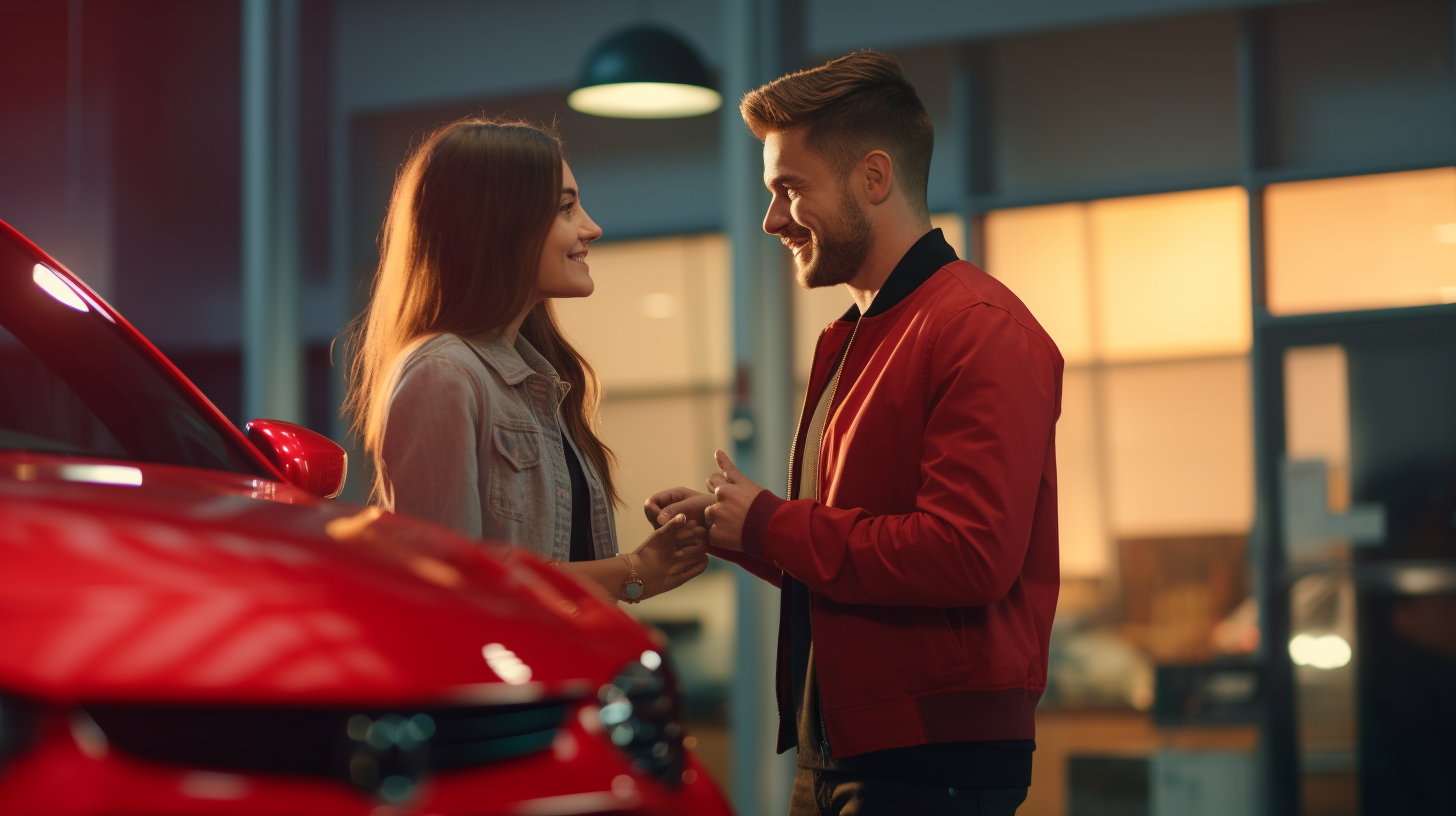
x=632, y=587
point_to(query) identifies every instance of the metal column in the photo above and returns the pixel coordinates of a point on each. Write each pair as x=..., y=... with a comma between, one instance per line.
x=273, y=384
x=761, y=39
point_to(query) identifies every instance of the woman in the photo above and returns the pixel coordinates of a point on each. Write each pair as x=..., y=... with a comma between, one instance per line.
x=477, y=412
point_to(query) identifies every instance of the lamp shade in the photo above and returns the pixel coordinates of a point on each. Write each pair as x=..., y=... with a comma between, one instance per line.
x=644, y=72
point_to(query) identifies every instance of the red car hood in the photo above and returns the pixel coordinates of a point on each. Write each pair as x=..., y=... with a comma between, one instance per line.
x=127, y=581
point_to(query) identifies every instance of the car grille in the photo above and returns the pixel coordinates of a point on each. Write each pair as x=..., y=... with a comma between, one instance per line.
x=377, y=750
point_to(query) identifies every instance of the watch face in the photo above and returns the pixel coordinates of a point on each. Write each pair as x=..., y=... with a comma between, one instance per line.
x=632, y=590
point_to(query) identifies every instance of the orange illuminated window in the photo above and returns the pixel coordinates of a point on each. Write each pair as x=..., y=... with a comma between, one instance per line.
x=1141, y=278
x=1180, y=447
x=1363, y=242
x=658, y=332
x=1172, y=274
x=1148, y=299
x=1317, y=414
x=1041, y=254
x=666, y=298
x=1083, y=540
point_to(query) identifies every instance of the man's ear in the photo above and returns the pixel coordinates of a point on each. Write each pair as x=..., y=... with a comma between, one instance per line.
x=878, y=175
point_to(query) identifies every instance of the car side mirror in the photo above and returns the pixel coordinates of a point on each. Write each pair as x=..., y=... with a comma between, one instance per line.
x=308, y=460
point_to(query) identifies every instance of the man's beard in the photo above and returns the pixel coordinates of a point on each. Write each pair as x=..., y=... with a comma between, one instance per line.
x=836, y=252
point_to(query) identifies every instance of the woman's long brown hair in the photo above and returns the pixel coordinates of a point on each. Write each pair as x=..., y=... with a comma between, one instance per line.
x=459, y=254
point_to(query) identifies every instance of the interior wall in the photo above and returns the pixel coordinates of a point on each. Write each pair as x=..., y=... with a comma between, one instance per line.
x=55, y=173
x=437, y=52
x=1123, y=104
x=1362, y=81
x=837, y=26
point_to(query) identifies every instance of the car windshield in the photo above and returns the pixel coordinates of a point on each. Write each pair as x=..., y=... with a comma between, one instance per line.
x=72, y=382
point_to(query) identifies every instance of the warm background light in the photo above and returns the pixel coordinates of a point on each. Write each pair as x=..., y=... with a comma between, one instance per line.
x=1362, y=242
x=1317, y=414
x=1148, y=299
x=1042, y=254
x=660, y=317
x=645, y=100
x=1081, y=522
x=1180, y=447
x=1172, y=274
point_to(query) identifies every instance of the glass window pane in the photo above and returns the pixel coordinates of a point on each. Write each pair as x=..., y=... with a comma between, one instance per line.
x=813, y=310
x=1317, y=414
x=1172, y=274
x=1362, y=242
x=1180, y=448
x=1040, y=253
x=1079, y=502
x=661, y=442
x=660, y=316
x=954, y=228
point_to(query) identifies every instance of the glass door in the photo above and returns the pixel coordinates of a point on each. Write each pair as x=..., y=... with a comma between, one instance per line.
x=1367, y=531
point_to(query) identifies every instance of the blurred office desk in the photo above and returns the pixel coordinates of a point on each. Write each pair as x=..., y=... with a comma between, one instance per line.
x=1062, y=733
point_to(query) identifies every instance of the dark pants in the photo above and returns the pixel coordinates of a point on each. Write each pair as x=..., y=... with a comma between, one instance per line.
x=821, y=793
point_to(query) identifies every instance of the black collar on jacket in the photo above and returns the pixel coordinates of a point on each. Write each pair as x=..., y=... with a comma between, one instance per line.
x=922, y=260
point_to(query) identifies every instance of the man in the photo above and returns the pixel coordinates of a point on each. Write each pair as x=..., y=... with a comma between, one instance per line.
x=917, y=553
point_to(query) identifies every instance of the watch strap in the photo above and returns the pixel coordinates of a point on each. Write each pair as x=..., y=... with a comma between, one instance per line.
x=632, y=579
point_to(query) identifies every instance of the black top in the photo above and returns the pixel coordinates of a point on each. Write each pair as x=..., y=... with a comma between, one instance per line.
x=988, y=764
x=581, y=534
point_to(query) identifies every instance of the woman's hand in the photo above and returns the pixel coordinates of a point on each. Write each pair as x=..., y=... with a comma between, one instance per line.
x=664, y=562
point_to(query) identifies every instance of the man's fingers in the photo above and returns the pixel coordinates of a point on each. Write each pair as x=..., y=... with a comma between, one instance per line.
x=730, y=471
x=656, y=505
x=653, y=512
x=667, y=502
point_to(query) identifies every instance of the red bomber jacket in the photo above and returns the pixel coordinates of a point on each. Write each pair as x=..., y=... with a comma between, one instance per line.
x=931, y=555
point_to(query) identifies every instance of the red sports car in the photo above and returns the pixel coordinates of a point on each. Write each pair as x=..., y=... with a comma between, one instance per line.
x=188, y=625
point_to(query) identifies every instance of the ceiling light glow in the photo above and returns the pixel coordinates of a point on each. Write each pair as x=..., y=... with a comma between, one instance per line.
x=644, y=72
x=645, y=100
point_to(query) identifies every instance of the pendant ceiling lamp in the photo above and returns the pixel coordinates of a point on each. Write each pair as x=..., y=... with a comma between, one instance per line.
x=644, y=72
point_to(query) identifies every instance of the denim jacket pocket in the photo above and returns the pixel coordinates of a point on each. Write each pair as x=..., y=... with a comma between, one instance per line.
x=518, y=446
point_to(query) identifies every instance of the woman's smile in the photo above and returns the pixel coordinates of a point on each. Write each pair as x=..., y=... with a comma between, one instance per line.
x=571, y=231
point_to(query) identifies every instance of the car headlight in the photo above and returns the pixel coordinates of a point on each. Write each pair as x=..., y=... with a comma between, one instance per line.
x=17, y=726
x=641, y=714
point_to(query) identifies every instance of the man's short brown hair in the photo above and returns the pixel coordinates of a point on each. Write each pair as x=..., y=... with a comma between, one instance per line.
x=850, y=106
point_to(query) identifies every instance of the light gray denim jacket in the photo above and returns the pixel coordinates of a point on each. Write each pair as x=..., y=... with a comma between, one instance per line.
x=477, y=447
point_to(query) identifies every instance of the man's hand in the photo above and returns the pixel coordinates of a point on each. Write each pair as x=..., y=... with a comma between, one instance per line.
x=733, y=493
x=663, y=505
